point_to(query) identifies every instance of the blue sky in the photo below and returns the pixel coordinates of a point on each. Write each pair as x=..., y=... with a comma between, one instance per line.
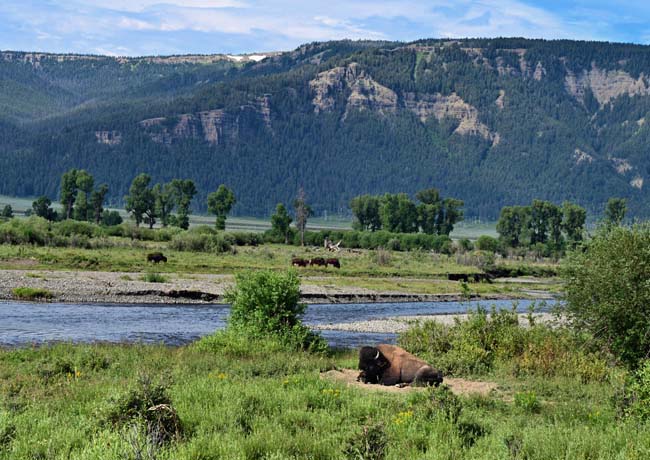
x=147, y=27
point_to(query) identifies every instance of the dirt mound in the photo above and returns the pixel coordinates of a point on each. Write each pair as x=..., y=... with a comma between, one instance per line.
x=457, y=386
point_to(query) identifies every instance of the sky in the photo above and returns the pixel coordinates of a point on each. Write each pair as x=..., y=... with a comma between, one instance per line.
x=163, y=27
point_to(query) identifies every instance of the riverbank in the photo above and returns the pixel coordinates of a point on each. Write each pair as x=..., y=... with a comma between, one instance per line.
x=121, y=287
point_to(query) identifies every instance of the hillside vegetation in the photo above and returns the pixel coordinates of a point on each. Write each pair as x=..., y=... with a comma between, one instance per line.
x=493, y=122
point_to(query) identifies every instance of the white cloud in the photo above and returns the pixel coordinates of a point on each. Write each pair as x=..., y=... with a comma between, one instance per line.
x=136, y=6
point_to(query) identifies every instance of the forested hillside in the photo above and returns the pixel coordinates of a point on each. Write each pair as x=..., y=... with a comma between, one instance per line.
x=493, y=122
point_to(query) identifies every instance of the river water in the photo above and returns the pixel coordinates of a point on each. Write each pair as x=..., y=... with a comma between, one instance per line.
x=25, y=323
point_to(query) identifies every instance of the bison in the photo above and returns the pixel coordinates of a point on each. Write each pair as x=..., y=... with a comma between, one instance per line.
x=392, y=365
x=156, y=257
x=299, y=262
x=334, y=262
x=317, y=261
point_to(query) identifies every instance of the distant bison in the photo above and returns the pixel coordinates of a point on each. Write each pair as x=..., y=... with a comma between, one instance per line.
x=156, y=257
x=317, y=261
x=391, y=365
x=469, y=277
x=333, y=261
x=299, y=262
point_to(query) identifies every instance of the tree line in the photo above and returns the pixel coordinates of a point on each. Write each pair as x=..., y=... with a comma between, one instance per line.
x=397, y=213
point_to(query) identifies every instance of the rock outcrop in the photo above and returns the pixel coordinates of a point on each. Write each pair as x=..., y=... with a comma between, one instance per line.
x=111, y=138
x=604, y=84
x=452, y=106
x=363, y=92
x=213, y=126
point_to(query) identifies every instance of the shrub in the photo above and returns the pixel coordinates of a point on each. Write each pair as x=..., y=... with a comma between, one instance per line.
x=487, y=243
x=527, y=401
x=369, y=444
x=29, y=293
x=268, y=303
x=154, y=278
x=638, y=393
x=607, y=292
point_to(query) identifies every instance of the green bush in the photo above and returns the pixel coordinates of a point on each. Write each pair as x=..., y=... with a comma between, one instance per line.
x=638, y=393
x=607, y=290
x=28, y=293
x=527, y=401
x=487, y=243
x=268, y=303
x=154, y=278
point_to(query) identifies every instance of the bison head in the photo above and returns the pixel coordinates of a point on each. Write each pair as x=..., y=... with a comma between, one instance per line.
x=372, y=364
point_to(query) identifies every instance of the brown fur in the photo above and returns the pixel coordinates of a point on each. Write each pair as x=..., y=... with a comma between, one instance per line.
x=392, y=365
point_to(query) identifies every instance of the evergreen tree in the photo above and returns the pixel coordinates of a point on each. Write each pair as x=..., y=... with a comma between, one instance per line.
x=220, y=203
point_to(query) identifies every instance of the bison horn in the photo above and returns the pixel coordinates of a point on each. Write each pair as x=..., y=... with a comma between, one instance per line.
x=377, y=357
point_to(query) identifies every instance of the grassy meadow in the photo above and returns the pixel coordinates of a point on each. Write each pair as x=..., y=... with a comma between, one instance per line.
x=232, y=397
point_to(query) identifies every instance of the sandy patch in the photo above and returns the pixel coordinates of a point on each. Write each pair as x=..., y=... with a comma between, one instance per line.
x=457, y=386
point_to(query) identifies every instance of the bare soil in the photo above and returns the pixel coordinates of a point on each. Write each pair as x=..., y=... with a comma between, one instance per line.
x=457, y=386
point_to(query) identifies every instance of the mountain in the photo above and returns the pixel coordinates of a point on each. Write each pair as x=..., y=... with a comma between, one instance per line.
x=494, y=122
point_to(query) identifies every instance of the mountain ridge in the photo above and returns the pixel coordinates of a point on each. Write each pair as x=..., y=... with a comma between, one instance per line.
x=494, y=122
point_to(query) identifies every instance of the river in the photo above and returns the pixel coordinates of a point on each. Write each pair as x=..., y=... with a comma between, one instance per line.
x=25, y=323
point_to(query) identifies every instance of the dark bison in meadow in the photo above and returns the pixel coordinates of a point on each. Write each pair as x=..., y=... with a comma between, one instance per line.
x=334, y=262
x=156, y=257
x=392, y=365
x=299, y=262
x=317, y=261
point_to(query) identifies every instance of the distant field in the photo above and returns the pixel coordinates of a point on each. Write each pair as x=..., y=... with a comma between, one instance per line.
x=471, y=230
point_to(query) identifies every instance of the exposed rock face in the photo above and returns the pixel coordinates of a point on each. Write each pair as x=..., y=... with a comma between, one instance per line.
x=605, y=84
x=580, y=157
x=637, y=182
x=621, y=165
x=364, y=91
x=500, y=100
x=109, y=137
x=213, y=126
x=452, y=106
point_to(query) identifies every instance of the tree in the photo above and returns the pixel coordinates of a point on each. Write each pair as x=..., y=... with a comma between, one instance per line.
x=365, y=209
x=84, y=184
x=452, y=213
x=615, y=211
x=398, y=213
x=41, y=207
x=573, y=222
x=303, y=212
x=184, y=191
x=111, y=218
x=68, y=191
x=164, y=202
x=513, y=225
x=220, y=203
x=280, y=222
x=429, y=210
x=140, y=201
x=7, y=211
x=97, y=198
x=607, y=293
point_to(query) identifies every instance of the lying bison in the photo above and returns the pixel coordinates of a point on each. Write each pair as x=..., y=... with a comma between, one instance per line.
x=391, y=365
x=317, y=261
x=156, y=257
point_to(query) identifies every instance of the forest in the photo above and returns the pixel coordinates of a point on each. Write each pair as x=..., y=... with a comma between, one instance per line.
x=493, y=123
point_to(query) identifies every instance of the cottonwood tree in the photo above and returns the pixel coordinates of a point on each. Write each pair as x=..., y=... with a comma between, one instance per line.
x=165, y=200
x=573, y=222
x=220, y=203
x=97, y=198
x=41, y=207
x=7, y=211
x=183, y=193
x=366, y=212
x=84, y=183
x=140, y=201
x=303, y=212
x=615, y=211
x=281, y=221
x=68, y=192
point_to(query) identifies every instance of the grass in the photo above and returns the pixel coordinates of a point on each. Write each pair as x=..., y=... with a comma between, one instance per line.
x=154, y=278
x=29, y=293
x=240, y=399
